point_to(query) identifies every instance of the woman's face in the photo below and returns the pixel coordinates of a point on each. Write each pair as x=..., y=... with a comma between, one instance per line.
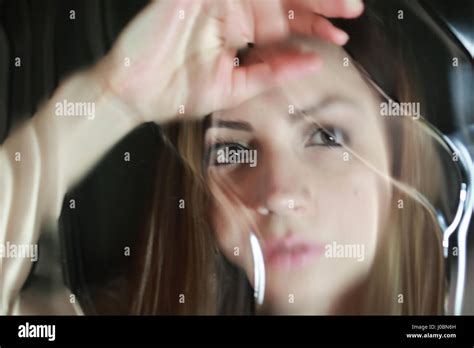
x=312, y=156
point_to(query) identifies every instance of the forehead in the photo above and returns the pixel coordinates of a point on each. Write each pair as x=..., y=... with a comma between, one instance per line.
x=337, y=78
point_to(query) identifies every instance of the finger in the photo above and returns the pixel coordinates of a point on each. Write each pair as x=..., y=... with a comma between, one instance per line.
x=333, y=8
x=311, y=24
x=236, y=22
x=250, y=81
x=270, y=21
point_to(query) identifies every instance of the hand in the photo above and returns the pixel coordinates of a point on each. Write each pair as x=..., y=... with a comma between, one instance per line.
x=178, y=55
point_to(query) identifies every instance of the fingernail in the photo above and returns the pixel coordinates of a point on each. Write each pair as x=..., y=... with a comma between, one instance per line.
x=341, y=37
x=355, y=6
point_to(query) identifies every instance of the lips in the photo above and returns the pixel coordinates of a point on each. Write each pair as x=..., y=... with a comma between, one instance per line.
x=290, y=252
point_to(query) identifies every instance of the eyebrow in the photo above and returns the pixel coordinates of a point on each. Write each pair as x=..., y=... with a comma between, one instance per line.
x=237, y=125
x=299, y=115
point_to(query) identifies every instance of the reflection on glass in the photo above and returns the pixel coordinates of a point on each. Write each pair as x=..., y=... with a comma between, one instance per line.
x=340, y=188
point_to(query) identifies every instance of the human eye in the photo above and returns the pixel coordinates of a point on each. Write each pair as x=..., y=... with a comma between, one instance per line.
x=326, y=136
x=224, y=153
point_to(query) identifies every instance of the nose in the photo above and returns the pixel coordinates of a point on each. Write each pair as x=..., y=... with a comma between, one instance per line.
x=284, y=185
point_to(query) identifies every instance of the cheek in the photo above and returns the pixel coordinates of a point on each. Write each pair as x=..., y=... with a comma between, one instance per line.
x=349, y=208
x=231, y=231
x=344, y=212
